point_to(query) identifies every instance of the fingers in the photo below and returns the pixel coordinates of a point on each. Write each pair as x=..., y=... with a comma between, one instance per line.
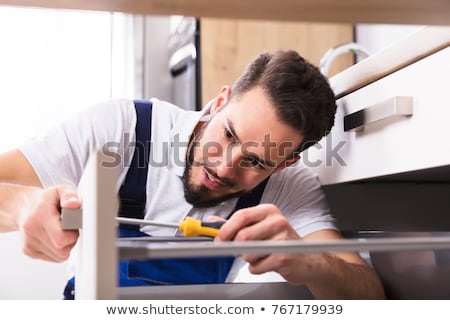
x=214, y=219
x=40, y=248
x=42, y=235
x=259, y=264
x=241, y=219
x=68, y=198
x=61, y=197
x=294, y=268
x=262, y=222
x=265, y=222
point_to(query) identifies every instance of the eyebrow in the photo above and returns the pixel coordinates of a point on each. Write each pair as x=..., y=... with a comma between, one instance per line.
x=230, y=127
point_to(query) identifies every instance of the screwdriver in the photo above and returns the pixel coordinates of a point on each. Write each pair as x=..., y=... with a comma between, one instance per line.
x=190, y=227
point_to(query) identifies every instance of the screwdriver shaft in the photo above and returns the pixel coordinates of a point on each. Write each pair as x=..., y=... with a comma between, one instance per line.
x=146, y=222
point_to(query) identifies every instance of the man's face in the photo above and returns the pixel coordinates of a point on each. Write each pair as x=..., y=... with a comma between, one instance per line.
x=241, y=145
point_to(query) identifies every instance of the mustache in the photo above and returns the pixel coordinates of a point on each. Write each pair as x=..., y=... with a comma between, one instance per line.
x=225, y=181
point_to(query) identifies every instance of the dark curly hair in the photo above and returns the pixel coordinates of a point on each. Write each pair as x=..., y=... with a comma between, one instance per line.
x=301, y=94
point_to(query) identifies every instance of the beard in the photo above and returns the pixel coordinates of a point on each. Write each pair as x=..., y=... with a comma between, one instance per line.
x=200, y=196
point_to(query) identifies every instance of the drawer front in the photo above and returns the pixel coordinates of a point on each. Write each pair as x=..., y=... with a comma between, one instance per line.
x=392, y=144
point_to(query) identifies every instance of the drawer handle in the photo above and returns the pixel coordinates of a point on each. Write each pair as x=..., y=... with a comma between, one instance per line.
x=393, y=107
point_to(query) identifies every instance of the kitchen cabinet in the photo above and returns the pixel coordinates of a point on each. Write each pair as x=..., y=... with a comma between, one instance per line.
x=431, y=12
x=228, y=45
x=393, y=174
x=397, y=144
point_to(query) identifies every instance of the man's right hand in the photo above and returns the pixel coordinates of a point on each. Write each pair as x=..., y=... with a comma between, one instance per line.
x=25, y=206
x=40, y=224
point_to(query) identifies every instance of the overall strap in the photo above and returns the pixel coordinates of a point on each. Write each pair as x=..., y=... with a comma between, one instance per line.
x=252, y=198
x=133, y=191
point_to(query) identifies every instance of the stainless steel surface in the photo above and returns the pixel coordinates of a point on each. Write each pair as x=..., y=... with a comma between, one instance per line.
x=184, y=64
x=393, y=107
x=182, y=58
x=333, y=53
x=259, y=291
x=142, y=250
x=71, y=219
x=167, y=239
x=142, y=222
x=418, y=274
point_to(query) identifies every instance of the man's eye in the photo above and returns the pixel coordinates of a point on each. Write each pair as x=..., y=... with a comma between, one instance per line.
x=253, y=162
x=228, y=134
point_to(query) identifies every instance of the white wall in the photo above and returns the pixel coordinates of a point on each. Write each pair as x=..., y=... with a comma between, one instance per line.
x=24, y=278
x=53, y=63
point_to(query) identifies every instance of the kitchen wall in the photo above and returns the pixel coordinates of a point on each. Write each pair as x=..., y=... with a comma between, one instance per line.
x=53, y=64
x=375, y=37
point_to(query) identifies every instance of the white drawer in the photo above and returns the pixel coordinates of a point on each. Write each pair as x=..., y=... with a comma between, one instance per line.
x=397, y=144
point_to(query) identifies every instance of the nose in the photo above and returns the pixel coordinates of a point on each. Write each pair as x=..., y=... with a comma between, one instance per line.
x=230, y=162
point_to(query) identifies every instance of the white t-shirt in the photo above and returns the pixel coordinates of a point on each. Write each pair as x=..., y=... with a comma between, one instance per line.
x=60, y=157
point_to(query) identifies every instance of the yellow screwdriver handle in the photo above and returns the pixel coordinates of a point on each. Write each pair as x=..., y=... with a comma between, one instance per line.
x=192, y=227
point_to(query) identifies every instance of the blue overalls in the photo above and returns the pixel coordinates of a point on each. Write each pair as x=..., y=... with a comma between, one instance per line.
x=132, y=205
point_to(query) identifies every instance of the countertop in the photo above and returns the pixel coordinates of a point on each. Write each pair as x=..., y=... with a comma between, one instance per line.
x=421, y=12
x=415, y=46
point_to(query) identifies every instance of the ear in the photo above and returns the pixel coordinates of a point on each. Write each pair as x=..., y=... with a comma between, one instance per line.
x=287, y=163
x=221, y=99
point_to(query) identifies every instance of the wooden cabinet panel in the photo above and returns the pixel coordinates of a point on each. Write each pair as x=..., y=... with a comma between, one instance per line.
x=436, y=12
x=228, y=45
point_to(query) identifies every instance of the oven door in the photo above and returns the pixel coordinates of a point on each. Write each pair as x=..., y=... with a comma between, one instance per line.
x=183, y=68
